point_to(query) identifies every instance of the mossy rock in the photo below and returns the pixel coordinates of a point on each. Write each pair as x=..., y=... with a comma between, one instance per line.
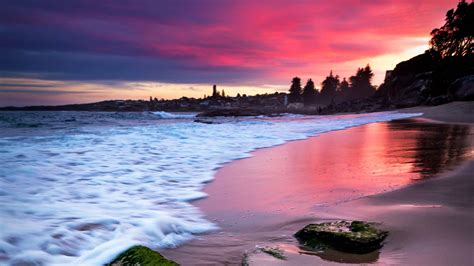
x=141, y=256
x=274, y=252
x=351, y=237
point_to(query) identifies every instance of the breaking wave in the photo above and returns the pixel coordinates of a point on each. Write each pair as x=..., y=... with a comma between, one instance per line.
x=167, y=115
x=84, y=196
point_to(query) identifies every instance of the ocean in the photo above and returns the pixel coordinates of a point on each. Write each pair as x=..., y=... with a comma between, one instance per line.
x=81, y=187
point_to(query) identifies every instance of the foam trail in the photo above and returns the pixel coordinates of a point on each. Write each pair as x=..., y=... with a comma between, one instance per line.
x=166, y=115
x=83, y=194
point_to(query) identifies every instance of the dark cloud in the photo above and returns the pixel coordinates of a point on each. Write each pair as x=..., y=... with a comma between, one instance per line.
x=201, y=41
x=50, y=92
x=21, y=85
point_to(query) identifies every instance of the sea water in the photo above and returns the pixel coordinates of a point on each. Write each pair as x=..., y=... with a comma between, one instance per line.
x=81, y=187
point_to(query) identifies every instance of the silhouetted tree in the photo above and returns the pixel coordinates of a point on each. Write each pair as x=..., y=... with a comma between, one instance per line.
x=295, y=90
x=361, y=84
x=238, y=95
x=309, y=93
x=344, y=86
x=223, y=93
x=343, y=90
x=328, y=89
x=455, y=37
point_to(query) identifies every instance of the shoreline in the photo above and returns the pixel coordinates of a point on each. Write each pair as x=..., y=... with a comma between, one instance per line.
x=431, y=222
x=454, y=113
x=232, y=254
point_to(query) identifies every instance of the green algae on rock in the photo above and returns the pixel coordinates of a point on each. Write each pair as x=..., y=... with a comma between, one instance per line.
x=351, y=237
x=274, y=252
x=141, y=256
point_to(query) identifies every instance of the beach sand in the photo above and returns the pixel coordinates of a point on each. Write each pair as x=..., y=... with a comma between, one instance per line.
x=412, y=176
x=455, y=112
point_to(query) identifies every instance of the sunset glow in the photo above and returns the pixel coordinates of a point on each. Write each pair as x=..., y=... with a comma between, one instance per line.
x=58, y=53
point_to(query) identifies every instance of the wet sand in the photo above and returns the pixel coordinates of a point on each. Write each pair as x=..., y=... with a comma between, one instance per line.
x=264, y=199
x=431, y=223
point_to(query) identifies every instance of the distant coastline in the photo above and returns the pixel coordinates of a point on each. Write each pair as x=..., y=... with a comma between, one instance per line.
x=412, y=83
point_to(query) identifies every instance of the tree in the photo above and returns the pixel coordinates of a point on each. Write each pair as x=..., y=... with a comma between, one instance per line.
x=343, y=90
x=455, y=37
x=328, y=89
x=361, y=84
x=295, y=90
x=223, y=93
x=309, y=93
x=343, y=86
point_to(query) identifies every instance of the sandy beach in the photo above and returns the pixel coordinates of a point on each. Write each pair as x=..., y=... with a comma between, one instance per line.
x=455, y=112
x=414, y=176
x=236, y=133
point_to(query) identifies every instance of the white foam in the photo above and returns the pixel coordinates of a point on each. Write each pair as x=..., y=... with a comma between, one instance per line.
x=83, y=198
x=167, y=115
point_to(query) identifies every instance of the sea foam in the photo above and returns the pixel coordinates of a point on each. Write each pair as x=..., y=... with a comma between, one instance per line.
x=83, y=196
x=167, y=115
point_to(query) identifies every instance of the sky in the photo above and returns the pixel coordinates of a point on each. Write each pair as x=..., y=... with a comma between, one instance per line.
x=59, y=52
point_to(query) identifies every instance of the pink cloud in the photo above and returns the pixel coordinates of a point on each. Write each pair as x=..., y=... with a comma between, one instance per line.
x=277, y=39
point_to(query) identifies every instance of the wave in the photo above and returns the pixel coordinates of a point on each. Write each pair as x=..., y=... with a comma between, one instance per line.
x=83, y=198
x=166, y=115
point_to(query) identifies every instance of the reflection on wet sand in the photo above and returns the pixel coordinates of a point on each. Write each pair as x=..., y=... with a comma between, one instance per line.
x=438, y=148
x=267, y=197
x=337, y=256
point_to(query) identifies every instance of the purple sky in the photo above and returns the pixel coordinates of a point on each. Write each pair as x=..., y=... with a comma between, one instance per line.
x=56, y=52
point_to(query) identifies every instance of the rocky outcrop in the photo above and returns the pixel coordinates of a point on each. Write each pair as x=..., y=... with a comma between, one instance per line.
x=232, y=112
x=408, y=84
x=462, y=89
x=351, y=237
x=414, y=92
x=406, y=89
x=428, y=80
x=204, y=121
x=236, y=112
x=358, y=106
x=140, y=255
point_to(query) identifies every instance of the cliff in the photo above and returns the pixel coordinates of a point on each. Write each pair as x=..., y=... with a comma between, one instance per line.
x=428, y=80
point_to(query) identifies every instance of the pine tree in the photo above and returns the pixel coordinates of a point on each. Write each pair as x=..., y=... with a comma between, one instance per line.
x=328, y=89
x=343, y=90
x=361, y=83
x=295, y=90
x=309, y=93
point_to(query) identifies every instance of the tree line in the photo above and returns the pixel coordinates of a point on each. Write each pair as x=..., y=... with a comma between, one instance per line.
x=455, y=37
x=333, y=89
x=450, y=57
x=451, y=48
